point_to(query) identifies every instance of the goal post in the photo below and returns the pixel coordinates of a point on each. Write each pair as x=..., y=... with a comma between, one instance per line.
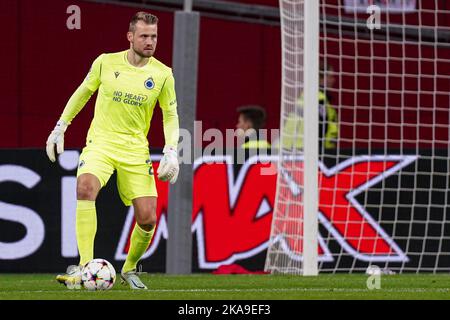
x=311, y=136
x=295, y=220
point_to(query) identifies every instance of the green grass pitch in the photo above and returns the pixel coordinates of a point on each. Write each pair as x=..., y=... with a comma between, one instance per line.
x=241, y=287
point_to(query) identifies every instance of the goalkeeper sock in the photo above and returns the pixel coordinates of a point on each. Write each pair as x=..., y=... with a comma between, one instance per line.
x=86, y=227
x=139, y=241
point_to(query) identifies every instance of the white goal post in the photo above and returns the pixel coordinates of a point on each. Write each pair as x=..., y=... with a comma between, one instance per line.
x=311, y=136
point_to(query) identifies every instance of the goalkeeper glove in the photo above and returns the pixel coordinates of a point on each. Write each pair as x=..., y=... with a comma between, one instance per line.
x=56, y=137
x=168, y=167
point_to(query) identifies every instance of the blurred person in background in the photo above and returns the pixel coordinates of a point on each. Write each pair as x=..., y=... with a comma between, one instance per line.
x=292, y=134
x=251, y=119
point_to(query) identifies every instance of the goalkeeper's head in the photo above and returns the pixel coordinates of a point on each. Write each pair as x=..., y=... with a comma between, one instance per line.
x=143, y=34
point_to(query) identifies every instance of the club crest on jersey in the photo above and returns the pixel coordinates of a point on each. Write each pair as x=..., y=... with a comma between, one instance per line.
x=149, y=83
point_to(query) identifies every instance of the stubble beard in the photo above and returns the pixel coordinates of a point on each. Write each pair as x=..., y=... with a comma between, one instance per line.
x=141, y=53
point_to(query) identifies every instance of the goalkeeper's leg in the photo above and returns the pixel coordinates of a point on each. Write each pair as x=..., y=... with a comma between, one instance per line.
x=145, y=215
x=88, y=187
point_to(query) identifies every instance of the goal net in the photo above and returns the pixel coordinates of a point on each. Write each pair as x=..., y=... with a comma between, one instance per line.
x=383, y=117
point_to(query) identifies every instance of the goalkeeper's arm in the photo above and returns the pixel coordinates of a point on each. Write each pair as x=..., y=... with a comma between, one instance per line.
x=75, y=104
x=169, y=167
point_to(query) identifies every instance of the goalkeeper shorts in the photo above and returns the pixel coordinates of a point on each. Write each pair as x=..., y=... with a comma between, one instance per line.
x=135, y=177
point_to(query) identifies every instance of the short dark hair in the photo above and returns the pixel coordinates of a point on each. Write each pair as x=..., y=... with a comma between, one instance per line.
x=256, y=114
x=146, y=17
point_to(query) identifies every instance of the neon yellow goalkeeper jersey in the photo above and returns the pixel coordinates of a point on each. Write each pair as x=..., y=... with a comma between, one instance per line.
x=126, y=98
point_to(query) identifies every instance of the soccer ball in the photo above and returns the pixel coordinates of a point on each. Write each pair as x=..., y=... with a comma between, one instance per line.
x=98, y=274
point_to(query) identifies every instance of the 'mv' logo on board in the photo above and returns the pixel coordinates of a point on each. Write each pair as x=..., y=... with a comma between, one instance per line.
x=232, y=214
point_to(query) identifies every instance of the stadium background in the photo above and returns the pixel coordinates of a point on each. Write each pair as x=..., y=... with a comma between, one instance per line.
x=43, y=63
x=239, y=63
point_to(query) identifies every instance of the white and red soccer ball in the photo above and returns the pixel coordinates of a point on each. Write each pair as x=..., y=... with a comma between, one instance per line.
x=98, y=274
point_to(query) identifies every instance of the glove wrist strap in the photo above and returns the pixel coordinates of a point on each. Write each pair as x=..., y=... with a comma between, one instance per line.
x=61, y=125
x=170, y=149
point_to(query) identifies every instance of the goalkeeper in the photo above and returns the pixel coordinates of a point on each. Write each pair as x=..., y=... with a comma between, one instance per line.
x=129, y=84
